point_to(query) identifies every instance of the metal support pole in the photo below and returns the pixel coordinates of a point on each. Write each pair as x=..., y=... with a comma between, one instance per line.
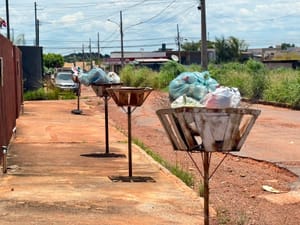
x=129, y=142
x=78, y=102
x=4, y=159
x=106, y=124
x=206, y=187
x=77, y=111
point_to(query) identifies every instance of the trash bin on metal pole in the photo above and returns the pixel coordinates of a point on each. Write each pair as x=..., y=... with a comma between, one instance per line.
x=203, y=130
x=100, y=90
x=129, y=98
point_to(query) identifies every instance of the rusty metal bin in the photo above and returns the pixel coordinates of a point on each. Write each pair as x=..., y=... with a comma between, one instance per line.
x=203, y=129
x=207, y=131
x=100, y=89
x=129, y=96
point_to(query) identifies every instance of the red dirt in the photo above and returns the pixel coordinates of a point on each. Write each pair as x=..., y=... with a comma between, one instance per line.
x=236, y=187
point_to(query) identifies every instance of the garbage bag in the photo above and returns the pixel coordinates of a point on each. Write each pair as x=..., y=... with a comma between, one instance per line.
x=192, y=84
x=222, y=97
x=95, y=75
x=98, y=76
x=184, y=101
x=113, y=77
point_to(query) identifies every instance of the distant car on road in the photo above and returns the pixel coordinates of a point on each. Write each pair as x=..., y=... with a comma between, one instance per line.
x=64, y=81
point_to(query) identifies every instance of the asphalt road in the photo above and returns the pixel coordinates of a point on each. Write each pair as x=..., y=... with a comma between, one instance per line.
x=275, y=137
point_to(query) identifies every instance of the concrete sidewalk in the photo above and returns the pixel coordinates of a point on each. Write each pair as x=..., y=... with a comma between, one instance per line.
x=58, y=174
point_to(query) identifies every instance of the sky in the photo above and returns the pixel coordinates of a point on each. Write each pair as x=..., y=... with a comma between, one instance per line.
x=71, y=26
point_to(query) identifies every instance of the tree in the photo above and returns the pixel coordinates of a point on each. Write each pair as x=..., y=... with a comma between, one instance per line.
x=196, y=46
x=191, y=46
x=222, y=50
x=236, y=47
x=285, y=46
x=52, y=60
x=229, y=49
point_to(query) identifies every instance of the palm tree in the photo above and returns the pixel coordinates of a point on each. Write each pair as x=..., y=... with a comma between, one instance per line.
x=236, y=47
x=222, y=50
x=230, y=49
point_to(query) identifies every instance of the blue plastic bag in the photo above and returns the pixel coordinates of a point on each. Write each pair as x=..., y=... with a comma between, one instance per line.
x=95, y=75
x=192, y=84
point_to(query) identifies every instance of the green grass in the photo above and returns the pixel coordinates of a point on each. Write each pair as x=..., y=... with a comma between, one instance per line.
x=186, y=177
x=48, y=94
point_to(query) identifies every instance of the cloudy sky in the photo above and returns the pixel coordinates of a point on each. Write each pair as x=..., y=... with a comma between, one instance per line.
x=68, y=26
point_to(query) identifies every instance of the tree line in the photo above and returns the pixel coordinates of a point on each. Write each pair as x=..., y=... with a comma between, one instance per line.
x=227, y=50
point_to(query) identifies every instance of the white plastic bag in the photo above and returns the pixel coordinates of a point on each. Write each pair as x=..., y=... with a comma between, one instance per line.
x=185, y=101
x=222, y=97
x=113, y=77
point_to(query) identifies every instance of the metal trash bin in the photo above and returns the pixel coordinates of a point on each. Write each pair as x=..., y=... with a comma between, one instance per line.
x=101, y=91
x=203, y=129
x=206, y=131
x=129, y=98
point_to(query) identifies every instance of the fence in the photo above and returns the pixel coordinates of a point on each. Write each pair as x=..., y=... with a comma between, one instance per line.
x=11, y=91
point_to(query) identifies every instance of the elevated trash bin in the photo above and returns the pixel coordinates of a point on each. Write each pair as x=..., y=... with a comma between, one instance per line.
x=206, y=131
x=101, y=91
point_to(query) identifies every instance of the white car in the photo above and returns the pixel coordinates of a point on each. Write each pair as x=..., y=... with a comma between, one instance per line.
x=64, y=81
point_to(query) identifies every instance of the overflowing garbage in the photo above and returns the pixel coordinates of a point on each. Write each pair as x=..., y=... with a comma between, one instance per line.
x=2, y=23
x=95, y=76
x=199, y=89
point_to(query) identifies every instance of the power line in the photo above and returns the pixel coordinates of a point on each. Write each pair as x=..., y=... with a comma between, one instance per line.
x=151, y=18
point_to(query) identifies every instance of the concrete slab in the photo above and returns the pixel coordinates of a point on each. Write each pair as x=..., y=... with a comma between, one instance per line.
x=58, y=174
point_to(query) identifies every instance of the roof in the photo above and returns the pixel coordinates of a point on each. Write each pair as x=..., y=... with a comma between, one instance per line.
x=151, y=60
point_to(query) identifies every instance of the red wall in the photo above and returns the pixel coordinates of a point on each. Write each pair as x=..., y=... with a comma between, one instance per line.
x=11, y=89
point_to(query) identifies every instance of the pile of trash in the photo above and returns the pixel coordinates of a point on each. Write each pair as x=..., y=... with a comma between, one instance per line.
x=198, y=89
x=95, y=76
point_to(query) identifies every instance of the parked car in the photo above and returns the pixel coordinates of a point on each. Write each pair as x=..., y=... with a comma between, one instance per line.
x=64, y=81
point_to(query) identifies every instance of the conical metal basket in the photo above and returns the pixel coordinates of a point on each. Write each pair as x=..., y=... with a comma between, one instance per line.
x=129, y=96
x=203, y=129
x=100, y=89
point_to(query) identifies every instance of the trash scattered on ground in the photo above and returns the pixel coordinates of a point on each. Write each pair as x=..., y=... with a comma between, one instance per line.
x=270, y=189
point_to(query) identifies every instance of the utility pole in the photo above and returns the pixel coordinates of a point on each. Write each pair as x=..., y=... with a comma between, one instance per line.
x=90, y=46
x=121, y=33
x=37, y=24
x=38, y=32
x=204, y=60
x=178, y=44
x=7, y=21
x=98, y=43
x=83, y=58
x=74, y=59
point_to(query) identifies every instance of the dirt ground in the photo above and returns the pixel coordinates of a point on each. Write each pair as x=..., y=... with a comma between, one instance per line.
x=235, y=188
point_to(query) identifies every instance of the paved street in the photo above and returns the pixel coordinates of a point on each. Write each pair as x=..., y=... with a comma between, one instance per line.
x=275, y=138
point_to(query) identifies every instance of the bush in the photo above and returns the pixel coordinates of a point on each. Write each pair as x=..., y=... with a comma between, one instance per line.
x=233, y=75
x=259, y=78
x=138, y=77
x=169, y=71
x=253, y=79
x=284, y=87
x=50, y=94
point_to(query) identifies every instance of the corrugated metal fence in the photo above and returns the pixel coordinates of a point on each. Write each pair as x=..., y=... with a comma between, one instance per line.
x=11, y=91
